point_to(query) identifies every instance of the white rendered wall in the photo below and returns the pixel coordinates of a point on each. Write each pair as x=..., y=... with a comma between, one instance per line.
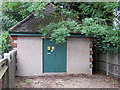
x=78, y=55
x=29, y=56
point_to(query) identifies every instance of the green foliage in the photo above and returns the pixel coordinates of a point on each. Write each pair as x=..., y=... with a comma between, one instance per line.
x=96, y=20
x=17, y=11
x=84, y=10
x=105, y=37
x=119, y=5
x=5, y=44
x=58, y=31
x=95, y=27
x=7, y=23
x=65, y=12
x=14, y=12
x=36, y=8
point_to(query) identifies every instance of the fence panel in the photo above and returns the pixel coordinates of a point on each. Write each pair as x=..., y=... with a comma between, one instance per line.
x=3, y=70
x=108, y=64
x=8, y=69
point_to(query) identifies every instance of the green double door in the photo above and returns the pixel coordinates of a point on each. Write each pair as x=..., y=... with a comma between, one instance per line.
x=54, y=56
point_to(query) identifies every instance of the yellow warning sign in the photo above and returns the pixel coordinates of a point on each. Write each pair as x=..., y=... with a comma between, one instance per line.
x=48, y=47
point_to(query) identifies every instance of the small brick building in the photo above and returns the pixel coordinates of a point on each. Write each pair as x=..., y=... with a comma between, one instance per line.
x=37, y=55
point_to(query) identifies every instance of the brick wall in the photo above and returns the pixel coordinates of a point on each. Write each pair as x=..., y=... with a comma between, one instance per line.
x=14, y=41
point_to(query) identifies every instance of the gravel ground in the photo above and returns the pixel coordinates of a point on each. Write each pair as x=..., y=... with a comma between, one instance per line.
x=66, y=81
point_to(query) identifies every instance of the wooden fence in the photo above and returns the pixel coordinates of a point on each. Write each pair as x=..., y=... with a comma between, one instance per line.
x=107, y=63
x=8, y=69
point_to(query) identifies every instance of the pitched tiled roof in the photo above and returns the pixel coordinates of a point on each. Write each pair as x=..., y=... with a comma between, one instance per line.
x=31, y=23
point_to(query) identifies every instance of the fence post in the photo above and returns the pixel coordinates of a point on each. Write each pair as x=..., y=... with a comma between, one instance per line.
x=13, y=67
x=10, y=67
x=107, y=64
x=7, y=55
x=7, y=77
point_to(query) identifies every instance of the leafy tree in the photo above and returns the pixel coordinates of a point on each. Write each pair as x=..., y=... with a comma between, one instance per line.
x=96, y=19
x=13, y=12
